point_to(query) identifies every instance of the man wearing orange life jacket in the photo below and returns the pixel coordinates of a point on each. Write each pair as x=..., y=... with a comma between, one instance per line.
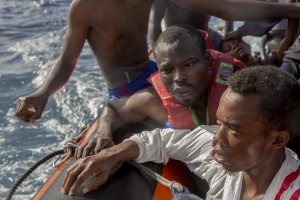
x=190, y=76
x=185, y=117
x=188, y=87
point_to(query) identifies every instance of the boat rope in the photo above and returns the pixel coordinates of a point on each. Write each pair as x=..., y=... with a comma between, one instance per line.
x=178, y=191
x=68, y=149
x=70, y=146
x=157, y=177
x=29, y=171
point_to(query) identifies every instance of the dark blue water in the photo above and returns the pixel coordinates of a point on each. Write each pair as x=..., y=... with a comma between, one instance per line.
x=31, y=36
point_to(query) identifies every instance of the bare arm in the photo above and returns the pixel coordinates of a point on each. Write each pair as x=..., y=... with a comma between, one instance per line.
x=290, y=37
x=61, y=71
x=254, y=28
x=144, y=103
x=156, y=16
x=74, y=40
x=133, y=109
x=109, y=122
x=158, y=145
x=243, y=10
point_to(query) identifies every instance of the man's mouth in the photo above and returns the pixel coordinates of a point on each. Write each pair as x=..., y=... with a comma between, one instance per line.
x=218, y=156
x=183, y=92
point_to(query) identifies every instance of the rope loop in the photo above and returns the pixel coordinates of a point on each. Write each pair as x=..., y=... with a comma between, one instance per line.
x=69, y=148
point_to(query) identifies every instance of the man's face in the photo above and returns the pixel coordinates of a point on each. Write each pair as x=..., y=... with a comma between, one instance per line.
x=236, y=48
x=240, y=143
x=183, y=70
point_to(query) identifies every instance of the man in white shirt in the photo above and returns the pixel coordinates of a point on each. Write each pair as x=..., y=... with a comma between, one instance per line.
x=246, y=158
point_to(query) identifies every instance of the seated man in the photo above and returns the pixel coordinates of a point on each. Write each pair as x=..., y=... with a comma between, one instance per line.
x=186, y=92
x=246, y=158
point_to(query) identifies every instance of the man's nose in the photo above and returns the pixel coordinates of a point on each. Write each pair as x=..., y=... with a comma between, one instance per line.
x=220, y=136
x=180, y=76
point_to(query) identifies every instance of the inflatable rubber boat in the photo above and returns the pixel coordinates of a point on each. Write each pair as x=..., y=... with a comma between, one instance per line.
x=128, y=182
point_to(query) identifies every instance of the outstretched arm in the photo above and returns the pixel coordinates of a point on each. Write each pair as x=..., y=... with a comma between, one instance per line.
x=74, y=40
x=157, y=13
x=243, y=10
x=253, y=28
x=158, y=145
x=60, y=73
x=98, y=166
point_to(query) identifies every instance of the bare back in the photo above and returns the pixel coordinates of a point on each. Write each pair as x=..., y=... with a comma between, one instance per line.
x=117, y=34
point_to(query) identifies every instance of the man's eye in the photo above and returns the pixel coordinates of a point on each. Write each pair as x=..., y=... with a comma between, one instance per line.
x=190, y=64
x=166, y=70
x=233, y=130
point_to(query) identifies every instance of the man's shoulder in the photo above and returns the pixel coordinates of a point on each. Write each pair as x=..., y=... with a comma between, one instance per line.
x=149, y=91
x=83, y=7
x=79, y=3
x=146, y=95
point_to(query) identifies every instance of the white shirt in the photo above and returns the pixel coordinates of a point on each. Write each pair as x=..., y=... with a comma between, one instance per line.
x=194, y=147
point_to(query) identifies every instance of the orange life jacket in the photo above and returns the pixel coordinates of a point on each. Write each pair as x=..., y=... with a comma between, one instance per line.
x=209, y=43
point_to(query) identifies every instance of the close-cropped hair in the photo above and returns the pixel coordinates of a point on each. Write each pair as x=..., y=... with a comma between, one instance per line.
x=279, y=105
x=181, y=32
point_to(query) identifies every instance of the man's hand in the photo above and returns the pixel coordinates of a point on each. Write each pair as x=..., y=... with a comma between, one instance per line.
x=98, y=166
x=93, y=146
x=30, y=108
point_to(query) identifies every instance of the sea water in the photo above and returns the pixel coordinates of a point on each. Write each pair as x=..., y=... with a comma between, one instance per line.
x=31, y=37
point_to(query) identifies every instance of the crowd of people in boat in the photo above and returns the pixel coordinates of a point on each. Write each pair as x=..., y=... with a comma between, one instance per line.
x=229, y=115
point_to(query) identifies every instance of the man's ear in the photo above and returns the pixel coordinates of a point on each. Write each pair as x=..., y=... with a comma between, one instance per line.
x=280, y=139
x=207, y=55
